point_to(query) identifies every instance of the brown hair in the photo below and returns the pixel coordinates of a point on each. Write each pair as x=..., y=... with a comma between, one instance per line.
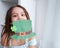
x=6, y=29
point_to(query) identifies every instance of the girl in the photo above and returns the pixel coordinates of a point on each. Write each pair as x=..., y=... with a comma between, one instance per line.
x=15, y=13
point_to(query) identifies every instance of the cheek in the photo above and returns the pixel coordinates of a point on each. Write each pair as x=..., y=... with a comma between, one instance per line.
x=14, y=19
x=25, y=18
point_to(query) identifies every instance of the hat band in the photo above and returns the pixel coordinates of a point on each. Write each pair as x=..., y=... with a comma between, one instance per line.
x=23, y=33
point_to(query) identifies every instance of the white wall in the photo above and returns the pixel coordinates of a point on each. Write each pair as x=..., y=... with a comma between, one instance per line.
x=41, y=11
x=56, y=33
x=48, y=17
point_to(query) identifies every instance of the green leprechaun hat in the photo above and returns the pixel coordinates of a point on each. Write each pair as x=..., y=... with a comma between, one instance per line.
x=21, y=26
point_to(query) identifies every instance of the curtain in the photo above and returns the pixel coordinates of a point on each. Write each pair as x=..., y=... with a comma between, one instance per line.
x=48, y=23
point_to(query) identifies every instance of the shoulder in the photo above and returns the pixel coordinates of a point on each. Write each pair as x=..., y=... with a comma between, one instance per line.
x=4, y=39
x=32, y=42
x=31, y=38
x=4, y=35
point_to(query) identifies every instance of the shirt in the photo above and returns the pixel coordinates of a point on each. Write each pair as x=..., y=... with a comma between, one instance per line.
x=31, y=42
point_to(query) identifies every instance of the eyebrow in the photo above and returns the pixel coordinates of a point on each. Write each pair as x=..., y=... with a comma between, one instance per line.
x=23, y=12
x=14, y=13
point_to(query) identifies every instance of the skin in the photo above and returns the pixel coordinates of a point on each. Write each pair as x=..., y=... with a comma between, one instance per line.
x=18, y=14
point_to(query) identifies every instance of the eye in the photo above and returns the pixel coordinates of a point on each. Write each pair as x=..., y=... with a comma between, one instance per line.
x=14, y=16
x=23, y=15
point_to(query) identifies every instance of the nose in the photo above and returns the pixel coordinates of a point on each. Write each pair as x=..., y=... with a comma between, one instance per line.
x=19, y=18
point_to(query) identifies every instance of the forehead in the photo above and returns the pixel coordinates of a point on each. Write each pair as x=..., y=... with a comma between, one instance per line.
x=17, y=10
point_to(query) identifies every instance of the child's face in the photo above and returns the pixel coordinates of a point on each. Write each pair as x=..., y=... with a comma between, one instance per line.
x=18, y=14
